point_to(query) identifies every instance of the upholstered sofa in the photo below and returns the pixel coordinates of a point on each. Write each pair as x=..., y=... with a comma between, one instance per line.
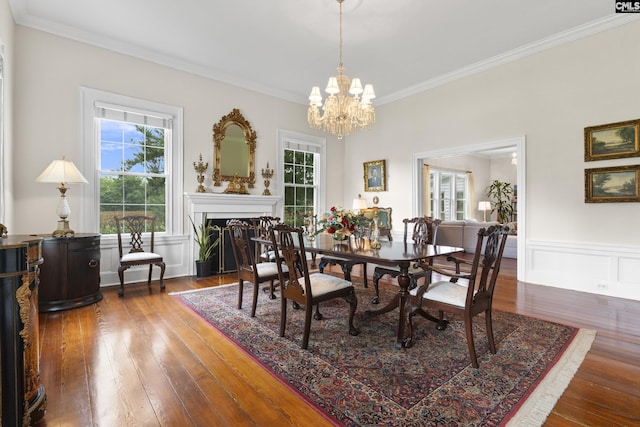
x=464, y=234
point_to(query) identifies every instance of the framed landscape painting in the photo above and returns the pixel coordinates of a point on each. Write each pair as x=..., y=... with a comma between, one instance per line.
x=375, y=178
x=612, y=184
x=612, y=141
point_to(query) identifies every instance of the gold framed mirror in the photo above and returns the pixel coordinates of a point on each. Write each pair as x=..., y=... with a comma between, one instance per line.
x=234, y=146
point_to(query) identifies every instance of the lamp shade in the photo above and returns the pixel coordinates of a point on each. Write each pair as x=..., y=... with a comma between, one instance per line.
x=63, y=172
x=359, y=204
x=484, y=206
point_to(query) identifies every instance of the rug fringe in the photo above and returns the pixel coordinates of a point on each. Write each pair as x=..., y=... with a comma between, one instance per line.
x=190, y=291
x=535, y=410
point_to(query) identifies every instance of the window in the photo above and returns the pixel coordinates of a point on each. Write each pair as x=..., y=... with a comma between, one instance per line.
x=134, y=163
x=303, y=165
x=299, y=186
x=449, y=194
x=132, y=168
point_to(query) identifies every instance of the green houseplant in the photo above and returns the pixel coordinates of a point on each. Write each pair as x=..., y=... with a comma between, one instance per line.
x=206, y=246
x=500, y=194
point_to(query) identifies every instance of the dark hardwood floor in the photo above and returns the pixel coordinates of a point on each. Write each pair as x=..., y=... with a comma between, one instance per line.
x=146, y=360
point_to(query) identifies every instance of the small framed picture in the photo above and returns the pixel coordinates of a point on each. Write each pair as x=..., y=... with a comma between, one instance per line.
x=612, y=141
x=612, y=184
x=375, y=176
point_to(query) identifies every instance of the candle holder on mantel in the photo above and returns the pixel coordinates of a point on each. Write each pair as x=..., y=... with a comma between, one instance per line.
x=201, y=168
x=267, y=174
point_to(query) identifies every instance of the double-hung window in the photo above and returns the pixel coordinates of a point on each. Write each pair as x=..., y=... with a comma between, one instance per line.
x=302, y=158
x=136, y=160
x=449, y=194
x=132, y=171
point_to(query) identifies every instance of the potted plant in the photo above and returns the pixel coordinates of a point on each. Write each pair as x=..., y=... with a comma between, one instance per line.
x=500, y=194
x=206, y=246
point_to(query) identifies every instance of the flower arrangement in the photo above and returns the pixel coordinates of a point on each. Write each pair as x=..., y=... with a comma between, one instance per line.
x=340, y=223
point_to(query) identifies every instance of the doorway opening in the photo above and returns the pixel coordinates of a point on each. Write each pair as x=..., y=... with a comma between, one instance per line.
x=512, y=145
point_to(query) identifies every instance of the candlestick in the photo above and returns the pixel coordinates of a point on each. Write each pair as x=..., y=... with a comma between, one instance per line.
x=201, y=169
x=267, y=174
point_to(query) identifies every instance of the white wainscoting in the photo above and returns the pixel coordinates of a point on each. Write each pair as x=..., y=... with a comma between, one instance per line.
x=174, y=250
x=599, y=269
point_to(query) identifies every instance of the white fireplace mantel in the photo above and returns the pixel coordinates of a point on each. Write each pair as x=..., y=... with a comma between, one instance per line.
x=225, y=206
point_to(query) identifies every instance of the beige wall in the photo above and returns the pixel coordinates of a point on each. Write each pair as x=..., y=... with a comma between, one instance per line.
x=549, y=97
x=52, y=70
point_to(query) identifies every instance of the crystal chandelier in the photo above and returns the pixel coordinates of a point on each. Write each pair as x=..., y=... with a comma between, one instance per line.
x=342, y=113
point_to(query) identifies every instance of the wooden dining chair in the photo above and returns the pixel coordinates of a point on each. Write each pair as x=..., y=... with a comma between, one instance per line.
x=423, y=231
x=297, y=285
x=364, y=228
x=466, y=293
x=133, y=253
x=248, y=268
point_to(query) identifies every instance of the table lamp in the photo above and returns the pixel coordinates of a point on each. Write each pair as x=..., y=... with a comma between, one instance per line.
x=63, y=172
x=359, y=204
x=484, y=206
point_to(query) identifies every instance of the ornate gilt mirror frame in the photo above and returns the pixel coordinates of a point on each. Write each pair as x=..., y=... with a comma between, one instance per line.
x=247, y=176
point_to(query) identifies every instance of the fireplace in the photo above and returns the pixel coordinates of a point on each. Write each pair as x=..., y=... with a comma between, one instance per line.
x=219, y=208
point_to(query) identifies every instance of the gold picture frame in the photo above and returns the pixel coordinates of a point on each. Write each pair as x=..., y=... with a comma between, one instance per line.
x=612, y=141
x=612, y=184
x=375, y=176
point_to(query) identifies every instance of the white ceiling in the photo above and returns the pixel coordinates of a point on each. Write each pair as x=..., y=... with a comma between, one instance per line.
x=284, y=47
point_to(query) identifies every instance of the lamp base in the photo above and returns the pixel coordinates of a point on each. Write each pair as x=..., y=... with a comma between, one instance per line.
x=63, y=229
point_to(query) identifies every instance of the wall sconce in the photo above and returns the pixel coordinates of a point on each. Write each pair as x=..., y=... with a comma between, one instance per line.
x=484, y=206
x=63, y=172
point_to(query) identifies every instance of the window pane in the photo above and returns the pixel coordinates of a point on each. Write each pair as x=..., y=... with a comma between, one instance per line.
x=111, y=131
x=288, y=156
x=111, y=189
x=159, y=213
x=133, y=134
x=154, y=160
x=111, y=156
x=155, y=191
x=134, y=190
x=289, y=195
x=299, y=158
x=107, y=212
x=133, y=158
x=299, y=171
x=300, y=196
x=310, y=198
x=288, y=174
x=308, y=159
x=155, y=137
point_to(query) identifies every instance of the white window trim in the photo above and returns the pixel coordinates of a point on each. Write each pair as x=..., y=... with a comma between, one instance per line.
x=174, y=161
x=298, y=141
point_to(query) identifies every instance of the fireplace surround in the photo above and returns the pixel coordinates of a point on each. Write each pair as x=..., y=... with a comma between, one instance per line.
x=221, y=207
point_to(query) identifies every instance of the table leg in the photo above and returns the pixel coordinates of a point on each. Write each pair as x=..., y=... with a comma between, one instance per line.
x=401, y=299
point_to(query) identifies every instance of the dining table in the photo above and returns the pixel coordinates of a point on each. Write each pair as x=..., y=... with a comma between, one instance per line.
x=390, y=253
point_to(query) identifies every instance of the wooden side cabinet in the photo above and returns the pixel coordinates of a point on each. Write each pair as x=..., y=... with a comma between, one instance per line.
x=23, y=397
x=70, y=275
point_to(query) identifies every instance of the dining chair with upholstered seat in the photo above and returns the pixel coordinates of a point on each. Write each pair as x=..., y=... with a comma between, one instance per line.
x=133, y=253
x=466, y=298
x=364, y=229
x=297, y=285
x=423, y=231
x=248, y=268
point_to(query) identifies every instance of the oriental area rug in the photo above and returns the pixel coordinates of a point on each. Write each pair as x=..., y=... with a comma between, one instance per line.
x=364, y=380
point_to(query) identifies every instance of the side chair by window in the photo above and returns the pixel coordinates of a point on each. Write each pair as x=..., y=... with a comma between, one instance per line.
x=248, y=268
x=137, y=226
x=297, y=285
x=464, y=299
x=423, y=231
